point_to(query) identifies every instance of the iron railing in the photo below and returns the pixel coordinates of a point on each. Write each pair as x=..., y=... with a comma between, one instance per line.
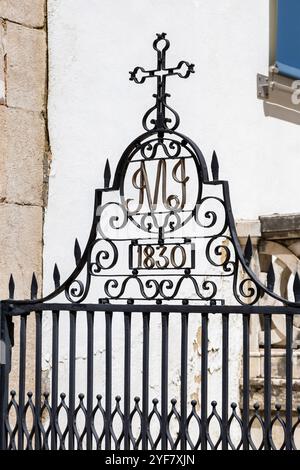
x=95, y=419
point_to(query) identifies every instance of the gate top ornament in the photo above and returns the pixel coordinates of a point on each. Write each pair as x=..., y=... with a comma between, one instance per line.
x=164, y=230
x=139, y=75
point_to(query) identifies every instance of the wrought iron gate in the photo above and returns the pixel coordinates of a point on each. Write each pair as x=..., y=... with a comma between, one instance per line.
x=162, y=253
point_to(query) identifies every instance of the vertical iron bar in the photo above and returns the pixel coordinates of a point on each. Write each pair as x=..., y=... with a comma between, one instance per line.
x=90, y=378
x=146, y=322
x=246, y=384
x=108, y=378
x=225, y=345
x=164, y=380
x=3, y=380
x=183, y=391
x=127, y=327
x=4, y=375
x=267, y=378
x=38, y=377
x=54, y=384
x=204, y=365
x=289, y=380
x=72, y=378
x=22, y=379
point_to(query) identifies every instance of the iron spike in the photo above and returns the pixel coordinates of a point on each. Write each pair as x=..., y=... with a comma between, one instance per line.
x=107, y=174
x=11, y=287
x=248, y=251
x=56, y=276
x=34, y=287
x=215, y=166
x=271, y=278
x=77, y=252
x=296, y=287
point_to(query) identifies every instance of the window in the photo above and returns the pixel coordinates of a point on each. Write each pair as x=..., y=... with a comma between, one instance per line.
x=288, y=38
x=281, y=88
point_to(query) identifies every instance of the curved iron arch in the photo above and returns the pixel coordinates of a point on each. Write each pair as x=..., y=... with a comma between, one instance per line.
x=125, y=158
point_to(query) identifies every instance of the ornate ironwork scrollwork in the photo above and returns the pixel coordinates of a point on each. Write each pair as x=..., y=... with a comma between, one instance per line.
x=219, y=247
x=246, y=291
x=111, y=216
x=161, y=197
x=167, y=289
x=147, y=202
x=208, y=217
x=112, y=285
x=105, y=259
x=77, y=290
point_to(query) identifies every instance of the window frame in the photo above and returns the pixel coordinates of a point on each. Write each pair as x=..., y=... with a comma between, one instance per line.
x=276, y=89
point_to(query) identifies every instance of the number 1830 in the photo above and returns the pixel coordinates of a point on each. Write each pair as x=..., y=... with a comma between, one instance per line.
x=167, y=256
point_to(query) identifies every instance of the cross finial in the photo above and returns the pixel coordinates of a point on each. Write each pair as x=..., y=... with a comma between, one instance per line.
x=139, y=75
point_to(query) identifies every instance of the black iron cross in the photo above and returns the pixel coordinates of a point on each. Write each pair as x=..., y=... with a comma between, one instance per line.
x=182, y=70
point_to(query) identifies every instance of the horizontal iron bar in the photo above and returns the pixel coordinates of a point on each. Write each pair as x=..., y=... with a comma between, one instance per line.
x=167, y=237
x=158, y=274
x=172, y=159
x=107, y=307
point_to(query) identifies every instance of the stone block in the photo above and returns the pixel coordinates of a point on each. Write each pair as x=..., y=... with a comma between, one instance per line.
x=20, y=247
x=280, y=226
x=21, y=255
x=278, y=359
x=2, y=63
x=255, y=363
x=28, y=12
x=245, y=228
x=26, y=67
x=278, y=392
x=21, y=156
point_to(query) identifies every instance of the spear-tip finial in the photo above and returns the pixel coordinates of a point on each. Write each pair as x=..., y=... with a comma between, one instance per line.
x=215, y=166
x=11, y=287
x=107, y=174
x=56, y=276
x=296, y=287
x=77, y=252
x=34, y=287
x=248, y=251
x=271, y=278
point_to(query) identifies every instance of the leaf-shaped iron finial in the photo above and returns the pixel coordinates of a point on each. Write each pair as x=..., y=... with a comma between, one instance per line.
x=215, y=167
x=77, y=252
x=56, y=276
x=11, y=287
x=107, y=174
x=248, y=251
x=34, y=287
x=271, y=278
x=296, y=288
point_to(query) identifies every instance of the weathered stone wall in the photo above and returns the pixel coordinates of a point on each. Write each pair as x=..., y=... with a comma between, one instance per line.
x=23, y=143
x=24, y=149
